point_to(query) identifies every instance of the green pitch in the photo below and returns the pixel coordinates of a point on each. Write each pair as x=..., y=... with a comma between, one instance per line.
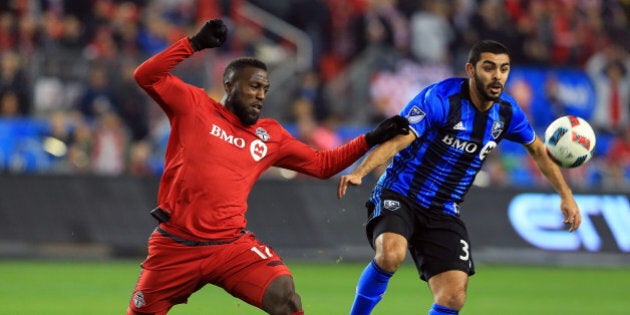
x=45, y=287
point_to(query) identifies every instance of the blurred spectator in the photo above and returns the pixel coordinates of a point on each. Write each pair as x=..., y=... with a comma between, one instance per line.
x=102, y=46
x=552, y=95
x=125, y=29
x=533, y=25
x=9, y=104
x=139, y=163
x=320, y=136
x=49, y=95
x=313, y=18
x=78, y=158
x=131, y=101
x=13, y=80
x=616, y=20
x=493, y=172
x=492, y=21
x=311, y=88
x=342, y=13
x=160, y=27
x=464, y=35
x=73, y=33
x=431, y=25
x=109, y=149
x=381, y=24
x=67, y=141
x=618, y=161
x=406, y=78
x=97, y=97
x=609, y=72
x=522, y=91
x=7, y=30
x=28, y=35
x=571, y=36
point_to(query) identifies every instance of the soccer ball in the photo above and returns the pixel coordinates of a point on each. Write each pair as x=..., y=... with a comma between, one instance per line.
x=570, y=141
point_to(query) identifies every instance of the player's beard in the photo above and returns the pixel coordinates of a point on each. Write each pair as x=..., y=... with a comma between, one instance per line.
x=247, y=119
x=243, y=112
x=483, y=90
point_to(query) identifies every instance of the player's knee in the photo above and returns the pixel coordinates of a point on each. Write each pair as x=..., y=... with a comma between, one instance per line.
x=390, y=257
x=280, y=297
x=453, y=299
x=390, y=260
x=391, y=249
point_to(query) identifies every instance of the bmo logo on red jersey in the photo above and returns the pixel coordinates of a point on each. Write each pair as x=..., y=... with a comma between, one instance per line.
x=257, y=148
x=221, y=134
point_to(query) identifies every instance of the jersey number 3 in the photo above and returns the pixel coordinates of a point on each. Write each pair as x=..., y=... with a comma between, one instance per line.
x=466, y=254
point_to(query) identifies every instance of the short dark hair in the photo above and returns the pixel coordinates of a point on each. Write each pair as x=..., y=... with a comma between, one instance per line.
x=242, y=63
x=483, y=46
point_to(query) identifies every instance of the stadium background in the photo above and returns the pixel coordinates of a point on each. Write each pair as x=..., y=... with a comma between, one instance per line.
x=81, y=146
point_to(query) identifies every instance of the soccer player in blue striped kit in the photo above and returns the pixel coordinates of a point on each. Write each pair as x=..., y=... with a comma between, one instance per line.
x=415, y=204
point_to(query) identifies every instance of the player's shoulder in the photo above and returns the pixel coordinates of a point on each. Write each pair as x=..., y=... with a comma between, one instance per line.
x=453, y=84
x=269, y=123
x=270, y=126
x=507, y=99
x=445, y=88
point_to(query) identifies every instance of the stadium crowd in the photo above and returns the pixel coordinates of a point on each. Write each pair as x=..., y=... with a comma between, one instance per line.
x=69, y=104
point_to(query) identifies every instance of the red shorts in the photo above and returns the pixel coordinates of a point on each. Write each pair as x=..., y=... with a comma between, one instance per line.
x=173, y=271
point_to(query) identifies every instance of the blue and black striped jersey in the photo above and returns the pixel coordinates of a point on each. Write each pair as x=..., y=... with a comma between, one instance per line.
x=453, y=139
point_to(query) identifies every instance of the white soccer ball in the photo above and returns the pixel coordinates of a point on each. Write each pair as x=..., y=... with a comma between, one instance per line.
x=570, y=141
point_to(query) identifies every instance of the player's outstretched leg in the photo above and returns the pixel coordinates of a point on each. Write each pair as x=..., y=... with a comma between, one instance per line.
x=390, y=249
x=370, y=289
x=281, y=299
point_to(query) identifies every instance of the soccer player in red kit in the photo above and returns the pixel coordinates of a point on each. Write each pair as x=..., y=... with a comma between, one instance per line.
x=216, y=152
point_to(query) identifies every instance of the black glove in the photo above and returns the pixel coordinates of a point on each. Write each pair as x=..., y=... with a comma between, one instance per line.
x=387, y=129
x=212, y=34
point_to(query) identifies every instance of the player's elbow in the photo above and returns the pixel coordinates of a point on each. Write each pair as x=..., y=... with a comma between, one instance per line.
x=139, y=76
x=143, y=77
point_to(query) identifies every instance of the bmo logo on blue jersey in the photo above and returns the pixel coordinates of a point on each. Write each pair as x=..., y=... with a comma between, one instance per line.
x=468, y=146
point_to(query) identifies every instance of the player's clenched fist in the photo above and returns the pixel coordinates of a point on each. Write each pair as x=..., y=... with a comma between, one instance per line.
x=387, y=129
x=212, y=34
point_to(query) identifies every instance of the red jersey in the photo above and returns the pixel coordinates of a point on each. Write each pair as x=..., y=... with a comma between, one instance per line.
x=213, y=160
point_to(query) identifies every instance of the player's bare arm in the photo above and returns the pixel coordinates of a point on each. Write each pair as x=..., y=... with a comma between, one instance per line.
x=552, y=172
x=379, y=156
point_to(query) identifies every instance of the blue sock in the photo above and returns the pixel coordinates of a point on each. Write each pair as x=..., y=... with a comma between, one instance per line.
x=370, y=289
x=437, y=309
